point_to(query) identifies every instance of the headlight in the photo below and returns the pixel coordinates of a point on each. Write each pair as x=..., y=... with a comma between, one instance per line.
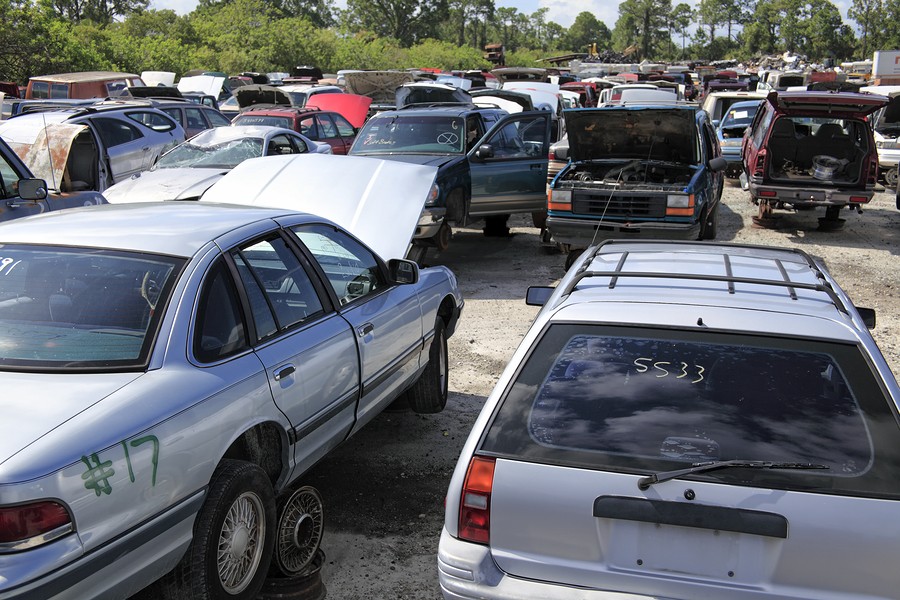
x=678, y=201
x=433, y=195
x=561, y=196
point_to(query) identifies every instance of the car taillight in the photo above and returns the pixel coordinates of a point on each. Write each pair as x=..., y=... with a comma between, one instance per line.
x=28, y=525
x=551, y=155
x=872, y=175
x=475, y=503
x=759, y=168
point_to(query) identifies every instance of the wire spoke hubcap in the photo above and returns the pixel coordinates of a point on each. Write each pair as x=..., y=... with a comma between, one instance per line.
x=241, y=543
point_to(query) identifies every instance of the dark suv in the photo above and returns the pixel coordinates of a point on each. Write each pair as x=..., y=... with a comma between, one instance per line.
x=809, y=149
x=637, y=171
x=490, y=163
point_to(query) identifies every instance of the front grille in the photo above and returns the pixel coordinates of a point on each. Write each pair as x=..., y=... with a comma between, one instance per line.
x=627, y=207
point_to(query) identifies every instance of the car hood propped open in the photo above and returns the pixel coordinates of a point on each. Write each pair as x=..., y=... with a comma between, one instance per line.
x=378, y=201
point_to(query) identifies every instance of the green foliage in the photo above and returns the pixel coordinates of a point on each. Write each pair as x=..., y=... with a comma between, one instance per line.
x=586, y=30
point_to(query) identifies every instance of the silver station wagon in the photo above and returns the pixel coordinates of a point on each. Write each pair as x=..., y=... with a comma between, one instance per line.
x=167, y=370
x=683, y=420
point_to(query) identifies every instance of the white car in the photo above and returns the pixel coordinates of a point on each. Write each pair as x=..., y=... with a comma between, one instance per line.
x=188, y=170
x=683, y=420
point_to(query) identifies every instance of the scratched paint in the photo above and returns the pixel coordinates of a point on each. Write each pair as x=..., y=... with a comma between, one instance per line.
x=48, y=155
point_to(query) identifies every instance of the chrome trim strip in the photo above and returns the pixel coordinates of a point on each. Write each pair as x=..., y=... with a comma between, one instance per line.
x=38, y=540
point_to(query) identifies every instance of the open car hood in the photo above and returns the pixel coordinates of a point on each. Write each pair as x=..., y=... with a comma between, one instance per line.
x=248, y=95
x=422, y=92
x=166, y=78
x=378, y=201
x=380, y=86
x=843, y=104
x=666, y=134
x=352, y=107
x=520, y=98
x=210, y=85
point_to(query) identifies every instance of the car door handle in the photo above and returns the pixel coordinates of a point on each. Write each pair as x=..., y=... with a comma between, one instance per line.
x=535, y=167
x=365, y=330
x=146, y=148
x=284, y=372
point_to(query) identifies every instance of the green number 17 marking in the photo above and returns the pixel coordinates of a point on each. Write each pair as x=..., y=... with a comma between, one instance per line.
x=154, y=459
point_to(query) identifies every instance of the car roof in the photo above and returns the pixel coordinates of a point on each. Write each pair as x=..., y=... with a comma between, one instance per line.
x=83, y=76
x=765, y=284
x=170, y=228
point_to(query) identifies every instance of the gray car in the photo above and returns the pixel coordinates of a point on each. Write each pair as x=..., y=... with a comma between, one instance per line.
x=683, y=420
x=93, y=147
x=168, y=369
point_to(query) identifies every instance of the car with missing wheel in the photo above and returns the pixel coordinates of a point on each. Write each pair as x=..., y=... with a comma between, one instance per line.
x=811, y=150
x=161, y=390
x=683, y=420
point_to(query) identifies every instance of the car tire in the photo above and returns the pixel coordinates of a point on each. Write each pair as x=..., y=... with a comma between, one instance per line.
x=539, y=218
x=891, y=177
x=710, y=223
x=572, y=257
x=240, y=512
x=429, y=393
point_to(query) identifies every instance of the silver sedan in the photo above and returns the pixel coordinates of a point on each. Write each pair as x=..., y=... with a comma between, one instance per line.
x=168, y=369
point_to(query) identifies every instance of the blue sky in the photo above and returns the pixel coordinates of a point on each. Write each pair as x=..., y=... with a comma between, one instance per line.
x=560, y=11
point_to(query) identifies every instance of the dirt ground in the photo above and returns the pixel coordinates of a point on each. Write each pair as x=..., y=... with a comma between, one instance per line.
x=384, y=489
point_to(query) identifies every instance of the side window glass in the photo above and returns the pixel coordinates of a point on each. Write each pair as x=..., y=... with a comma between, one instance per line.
x=59, y=90
x=762, y=127
x=522, y=138
x=194, y=118
x=114, y=132
x=345, y=129
x=40, y=89
x=9, y=179
x=220, y=330
x=473, y=132
x=152, y=120
x=217, y=119
x=352, y=270
x=278, y=285
x=279, y=144
x=326, y=127
x=174, y=113
x=299, y=146
x=308, y=128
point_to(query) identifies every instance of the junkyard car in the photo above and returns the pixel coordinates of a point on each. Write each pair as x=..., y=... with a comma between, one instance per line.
x=190, y=168
x=730, y=133
x=886, y=128
x=93, y=147
x=716, y=104
x=168, y=369
x=325, y=127
x=811, y=149
x=683, y=420
x=21, y=194
x=490, y=164
x=648, y=171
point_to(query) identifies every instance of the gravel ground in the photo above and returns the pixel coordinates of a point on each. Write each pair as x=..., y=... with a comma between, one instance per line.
x=384, y=489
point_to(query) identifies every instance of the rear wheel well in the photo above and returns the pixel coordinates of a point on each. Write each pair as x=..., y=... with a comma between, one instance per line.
x=261, y=445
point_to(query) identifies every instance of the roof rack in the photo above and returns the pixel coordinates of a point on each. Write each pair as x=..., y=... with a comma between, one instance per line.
x=435, y=105
x=824, y=286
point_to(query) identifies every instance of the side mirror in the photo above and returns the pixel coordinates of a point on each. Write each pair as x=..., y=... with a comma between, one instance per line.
x=484, y=151
x=537, y=295
x=403, y=271
x=32, y=189
x=717, y=164
x=715, y=123
x=868, y=316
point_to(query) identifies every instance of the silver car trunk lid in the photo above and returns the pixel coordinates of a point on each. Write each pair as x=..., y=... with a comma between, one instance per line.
x=673, y=540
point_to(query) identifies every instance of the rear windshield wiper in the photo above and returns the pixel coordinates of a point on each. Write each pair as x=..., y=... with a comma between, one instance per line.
x=701, y=467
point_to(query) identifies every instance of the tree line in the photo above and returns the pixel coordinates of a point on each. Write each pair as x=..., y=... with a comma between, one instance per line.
x=52, y=36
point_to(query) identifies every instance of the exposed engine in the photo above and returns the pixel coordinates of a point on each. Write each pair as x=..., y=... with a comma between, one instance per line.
x=636, y=171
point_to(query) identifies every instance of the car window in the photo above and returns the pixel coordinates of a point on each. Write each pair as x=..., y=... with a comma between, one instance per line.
x=762, y=126
x=175, y=113
x=216, y=119
x=309, y=128
x=194, y=118
x=629, y=398
x=271, y=121
x=326, y=127
x=280, y=291
x=152, y=120
x=115, y=132
x=66, y=308
x=352, y=270
x=9, y=179
x=220, y=331
x=280, y=144
x=414, y=134
x=345, y=129
x=299, y=145
x=115, y=88
x=522, y=138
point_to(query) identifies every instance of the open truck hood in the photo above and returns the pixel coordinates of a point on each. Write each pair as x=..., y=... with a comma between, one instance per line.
x=491, y=96
x=652, y=133
x=211, y=85
x=424, y=92
x=378, y=201
x=380, y=86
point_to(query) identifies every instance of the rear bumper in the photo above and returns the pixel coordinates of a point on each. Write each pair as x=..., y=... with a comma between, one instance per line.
x=466, y=571
x=797, y=196
x=579, y=233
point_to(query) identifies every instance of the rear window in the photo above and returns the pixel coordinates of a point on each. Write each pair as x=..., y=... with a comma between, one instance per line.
x=640, y=401
x=270, y=121
x=74, y=309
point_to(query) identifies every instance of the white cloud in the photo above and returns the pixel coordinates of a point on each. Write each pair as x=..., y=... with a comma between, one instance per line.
x=181, y=7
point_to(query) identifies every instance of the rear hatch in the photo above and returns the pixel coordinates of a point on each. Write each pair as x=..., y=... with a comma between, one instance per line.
x=839, y=105
x=596, y=408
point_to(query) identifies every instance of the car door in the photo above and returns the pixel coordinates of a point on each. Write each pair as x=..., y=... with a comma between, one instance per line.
x=308, y=350
x=386, y=318
x=345, y=132
x=126, y=148
x=509, y=165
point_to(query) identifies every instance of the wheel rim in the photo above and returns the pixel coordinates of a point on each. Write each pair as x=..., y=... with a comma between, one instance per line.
x=890, y=177
x=241, y=543
x=300, y=528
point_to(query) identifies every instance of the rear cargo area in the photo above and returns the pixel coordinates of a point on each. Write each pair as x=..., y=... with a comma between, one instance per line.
x=816, y=150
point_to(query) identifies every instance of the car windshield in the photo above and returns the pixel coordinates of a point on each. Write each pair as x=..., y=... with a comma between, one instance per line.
x=76, y=309
x=634, y=400
x=412, y=135
x=225, y=155
x=269, y=120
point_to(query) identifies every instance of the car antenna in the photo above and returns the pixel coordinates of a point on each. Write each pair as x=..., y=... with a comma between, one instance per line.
x=49, y=153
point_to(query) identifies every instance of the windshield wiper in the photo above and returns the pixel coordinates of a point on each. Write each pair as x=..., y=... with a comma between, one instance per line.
x=701, y=467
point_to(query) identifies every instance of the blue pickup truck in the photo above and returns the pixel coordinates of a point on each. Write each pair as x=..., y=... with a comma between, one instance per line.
x=636, y=172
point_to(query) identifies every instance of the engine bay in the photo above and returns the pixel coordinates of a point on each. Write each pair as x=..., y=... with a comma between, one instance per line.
x=641, y=172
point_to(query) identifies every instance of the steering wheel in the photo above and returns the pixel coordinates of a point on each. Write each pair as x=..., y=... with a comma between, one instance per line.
x=447, y=137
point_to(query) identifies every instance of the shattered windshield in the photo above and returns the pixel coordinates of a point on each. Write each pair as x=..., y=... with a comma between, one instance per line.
x=225, y=155
x=412, y=134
